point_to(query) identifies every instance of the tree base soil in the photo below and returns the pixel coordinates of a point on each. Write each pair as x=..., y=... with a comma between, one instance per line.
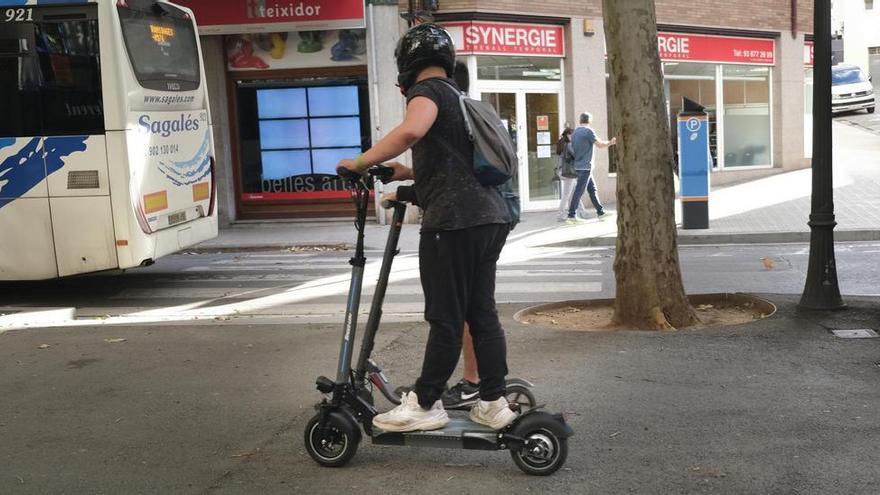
x=714, y=310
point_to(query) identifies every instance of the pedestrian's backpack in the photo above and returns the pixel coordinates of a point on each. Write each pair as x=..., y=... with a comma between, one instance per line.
x=495, y=161
x=566, y=167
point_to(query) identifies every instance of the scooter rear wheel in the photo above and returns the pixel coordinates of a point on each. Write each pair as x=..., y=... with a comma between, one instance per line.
x=543, y=454
x=335, y=443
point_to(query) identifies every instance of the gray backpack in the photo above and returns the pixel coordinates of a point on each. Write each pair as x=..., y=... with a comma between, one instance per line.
x=495, y=160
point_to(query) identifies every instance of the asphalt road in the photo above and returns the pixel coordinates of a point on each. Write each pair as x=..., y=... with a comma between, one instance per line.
x=777, y=406
x=861, y=119
x=174, y=402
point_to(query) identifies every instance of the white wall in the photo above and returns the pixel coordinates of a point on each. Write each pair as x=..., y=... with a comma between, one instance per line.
x=585, y=92
x=387, y=105
x=861, y=29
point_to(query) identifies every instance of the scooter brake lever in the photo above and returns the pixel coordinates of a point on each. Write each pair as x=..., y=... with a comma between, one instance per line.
x=382, y=173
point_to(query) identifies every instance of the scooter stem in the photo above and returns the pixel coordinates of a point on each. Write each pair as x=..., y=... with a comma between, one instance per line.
x=358, y=261
x=379, y=294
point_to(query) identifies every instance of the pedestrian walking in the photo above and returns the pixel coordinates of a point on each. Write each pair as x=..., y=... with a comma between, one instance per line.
x=566, y=175
x=583, y=143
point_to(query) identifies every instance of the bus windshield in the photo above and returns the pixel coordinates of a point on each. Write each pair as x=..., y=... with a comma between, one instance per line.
x=161, y=44
x=50, y=73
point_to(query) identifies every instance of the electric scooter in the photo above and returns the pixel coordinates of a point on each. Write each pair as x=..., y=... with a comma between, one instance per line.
x=537, y=440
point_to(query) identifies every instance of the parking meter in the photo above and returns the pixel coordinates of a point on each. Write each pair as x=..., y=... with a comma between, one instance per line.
x=694, y=161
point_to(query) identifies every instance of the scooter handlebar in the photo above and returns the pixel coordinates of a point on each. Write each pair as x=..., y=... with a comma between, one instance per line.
x=380, y=172
x=348, y=174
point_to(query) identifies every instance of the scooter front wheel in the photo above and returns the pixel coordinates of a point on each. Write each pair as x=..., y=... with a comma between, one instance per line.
x=334, y=443
x=543, y=453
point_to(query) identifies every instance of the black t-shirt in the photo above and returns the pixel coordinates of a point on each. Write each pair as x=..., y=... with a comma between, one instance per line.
x=447, y=189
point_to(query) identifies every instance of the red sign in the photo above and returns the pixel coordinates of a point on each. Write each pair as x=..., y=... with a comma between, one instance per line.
x=496, y=38
x=260, y=16
x=717, y=49
x=543, y=122
x=288, y=196
x=809, y=53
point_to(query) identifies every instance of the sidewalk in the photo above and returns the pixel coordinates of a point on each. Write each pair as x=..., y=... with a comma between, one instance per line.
x=770, y=210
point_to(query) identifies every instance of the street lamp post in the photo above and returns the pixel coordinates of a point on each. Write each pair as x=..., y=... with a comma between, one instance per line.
x=821, y=290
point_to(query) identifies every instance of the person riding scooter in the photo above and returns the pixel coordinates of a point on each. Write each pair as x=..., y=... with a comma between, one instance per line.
x=464, y=228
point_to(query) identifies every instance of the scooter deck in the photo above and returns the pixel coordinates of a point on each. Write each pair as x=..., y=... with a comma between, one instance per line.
x=460, y=433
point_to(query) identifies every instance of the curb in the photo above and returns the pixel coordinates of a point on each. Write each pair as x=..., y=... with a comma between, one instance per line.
x=688, y=239
x=18, y=318
x=291, y=247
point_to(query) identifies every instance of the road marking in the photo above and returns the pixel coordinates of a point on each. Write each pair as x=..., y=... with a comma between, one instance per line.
x=274, y=268
x=189, y=293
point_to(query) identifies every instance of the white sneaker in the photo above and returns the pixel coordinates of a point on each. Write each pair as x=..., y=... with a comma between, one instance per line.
x=495, y=414
x=409, y=416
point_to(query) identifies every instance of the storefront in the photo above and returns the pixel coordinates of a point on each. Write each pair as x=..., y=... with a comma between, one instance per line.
x=295, y=117
x=732, y=78
x=297, y=98
x=517, y=68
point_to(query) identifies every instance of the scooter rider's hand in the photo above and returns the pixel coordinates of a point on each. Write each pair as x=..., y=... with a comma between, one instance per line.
x=401, y=171
x=355, y=166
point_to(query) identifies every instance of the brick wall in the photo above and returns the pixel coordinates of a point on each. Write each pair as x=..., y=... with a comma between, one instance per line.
x=772, y=15
x=555, y=8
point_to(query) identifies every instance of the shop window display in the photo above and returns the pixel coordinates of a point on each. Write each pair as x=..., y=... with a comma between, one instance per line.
x=291, y=138
x=695, y=81
x=506, y=68
x=746, y=116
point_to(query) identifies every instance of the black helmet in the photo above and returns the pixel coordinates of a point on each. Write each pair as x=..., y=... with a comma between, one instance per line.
x=423, y=46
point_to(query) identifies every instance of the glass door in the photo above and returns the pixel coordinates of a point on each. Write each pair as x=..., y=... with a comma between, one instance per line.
x=542, y=130
x=533, y=120
x=505, y=105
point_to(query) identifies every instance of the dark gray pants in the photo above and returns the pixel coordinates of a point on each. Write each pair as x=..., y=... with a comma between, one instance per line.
x=457, y=269
x=584, y=181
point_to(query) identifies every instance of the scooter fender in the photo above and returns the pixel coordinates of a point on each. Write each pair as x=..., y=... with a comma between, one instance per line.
x=344, y=416
x=535, y=419
x=519, y=381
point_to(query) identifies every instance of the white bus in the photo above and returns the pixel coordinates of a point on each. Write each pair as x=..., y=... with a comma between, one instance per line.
x=106, y=150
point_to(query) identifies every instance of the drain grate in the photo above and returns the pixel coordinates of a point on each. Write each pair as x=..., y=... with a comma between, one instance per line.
x=857, y=333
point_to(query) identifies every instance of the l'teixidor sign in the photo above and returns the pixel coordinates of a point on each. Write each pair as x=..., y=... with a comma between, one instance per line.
x=497, y=38
x=718, y=49
x=261, y=16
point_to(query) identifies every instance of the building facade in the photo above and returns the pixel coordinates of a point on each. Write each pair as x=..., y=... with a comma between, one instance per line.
x=297, y=85
x=861, y=36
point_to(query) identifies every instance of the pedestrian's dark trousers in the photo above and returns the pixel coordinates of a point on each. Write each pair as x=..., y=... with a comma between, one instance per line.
x=584, y=181
x=457, y=269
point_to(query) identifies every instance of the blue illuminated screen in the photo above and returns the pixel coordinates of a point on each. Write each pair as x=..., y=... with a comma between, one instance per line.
x=306, y=131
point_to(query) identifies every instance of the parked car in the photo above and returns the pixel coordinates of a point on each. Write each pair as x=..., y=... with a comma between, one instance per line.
x=851, y=89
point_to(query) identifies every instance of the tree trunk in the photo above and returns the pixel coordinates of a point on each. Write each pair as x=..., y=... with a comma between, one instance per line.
x=650, y=293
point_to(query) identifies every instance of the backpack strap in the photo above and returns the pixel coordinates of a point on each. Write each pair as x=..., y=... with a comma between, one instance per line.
x=461, y=104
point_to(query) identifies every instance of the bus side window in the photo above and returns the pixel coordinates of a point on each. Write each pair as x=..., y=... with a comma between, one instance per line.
x=50, y=76
x=71, y=88
x=19, y=82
